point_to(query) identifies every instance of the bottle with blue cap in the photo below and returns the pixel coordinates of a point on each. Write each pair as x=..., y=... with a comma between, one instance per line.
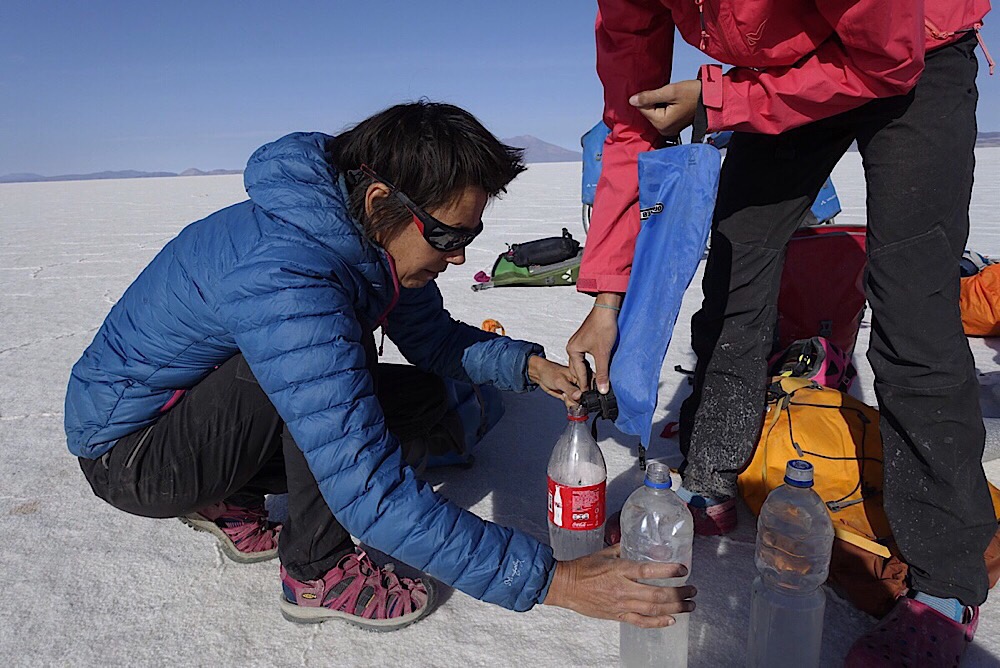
x=656, y=526
x=794, y=540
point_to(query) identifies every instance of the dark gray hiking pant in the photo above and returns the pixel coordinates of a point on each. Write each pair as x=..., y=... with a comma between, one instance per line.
x=918, y=160
x=225, y=441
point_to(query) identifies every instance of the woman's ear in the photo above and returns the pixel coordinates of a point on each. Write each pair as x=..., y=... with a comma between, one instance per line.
x=375, y=192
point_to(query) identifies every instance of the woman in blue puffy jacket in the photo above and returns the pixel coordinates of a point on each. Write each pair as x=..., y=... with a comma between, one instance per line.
x=241, y=362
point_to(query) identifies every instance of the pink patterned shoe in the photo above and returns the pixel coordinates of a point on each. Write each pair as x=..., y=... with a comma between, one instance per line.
x=913, y=634
x=360, y=593
x=716, y=519
x=245, y=534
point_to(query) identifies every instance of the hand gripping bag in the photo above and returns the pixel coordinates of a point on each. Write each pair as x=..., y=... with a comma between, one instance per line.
x=677, y=187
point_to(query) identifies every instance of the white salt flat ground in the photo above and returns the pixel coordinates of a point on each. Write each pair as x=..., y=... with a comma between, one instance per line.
x=84, y=584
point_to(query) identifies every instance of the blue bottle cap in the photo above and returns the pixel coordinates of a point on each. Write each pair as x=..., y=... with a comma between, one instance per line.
x=658, y=476
x=799, y=473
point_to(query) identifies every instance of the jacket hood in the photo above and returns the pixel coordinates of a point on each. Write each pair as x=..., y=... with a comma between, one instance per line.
x=294, y=180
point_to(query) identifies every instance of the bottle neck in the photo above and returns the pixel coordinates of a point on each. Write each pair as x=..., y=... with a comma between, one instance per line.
x=657, y=477
x=577, y=414
x=799, y=491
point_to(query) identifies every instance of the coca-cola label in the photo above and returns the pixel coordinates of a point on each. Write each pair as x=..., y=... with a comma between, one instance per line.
x=577, y=508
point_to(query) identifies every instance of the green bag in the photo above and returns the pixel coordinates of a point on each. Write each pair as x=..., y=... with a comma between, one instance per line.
x=544, y=262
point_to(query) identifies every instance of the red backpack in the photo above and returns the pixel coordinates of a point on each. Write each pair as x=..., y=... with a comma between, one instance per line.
x=822, y=286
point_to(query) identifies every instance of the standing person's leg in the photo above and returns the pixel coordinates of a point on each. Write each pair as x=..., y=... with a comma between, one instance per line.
x=919, y=164
x=767, y=185
x=212, y=458
x=919, y=168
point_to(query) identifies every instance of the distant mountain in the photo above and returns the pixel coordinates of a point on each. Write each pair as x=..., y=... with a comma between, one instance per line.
x=124, y=174
x=214, y=172
x=21, y=177
x=536, y=150
x=988, y=139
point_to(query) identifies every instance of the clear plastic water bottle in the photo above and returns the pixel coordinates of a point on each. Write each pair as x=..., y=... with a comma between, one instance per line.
x=794, y=539
x=577, y=482
x=656, y=526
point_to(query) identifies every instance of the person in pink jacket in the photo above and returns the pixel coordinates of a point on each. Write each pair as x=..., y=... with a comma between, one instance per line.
x=809, y=79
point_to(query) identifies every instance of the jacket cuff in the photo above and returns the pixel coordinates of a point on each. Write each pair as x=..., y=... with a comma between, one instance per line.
x=602, y=283
x=532, y=349
x=711, y=95
x=548, y=582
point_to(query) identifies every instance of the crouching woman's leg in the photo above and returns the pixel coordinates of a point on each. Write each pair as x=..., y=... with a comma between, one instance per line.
x=209, y=460
x=324, y=575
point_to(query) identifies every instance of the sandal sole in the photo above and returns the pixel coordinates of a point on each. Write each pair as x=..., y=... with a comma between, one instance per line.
x=228, y=548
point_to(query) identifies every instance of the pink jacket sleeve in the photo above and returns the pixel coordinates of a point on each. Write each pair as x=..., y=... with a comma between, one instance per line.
x=634, y=49
x=877, y=51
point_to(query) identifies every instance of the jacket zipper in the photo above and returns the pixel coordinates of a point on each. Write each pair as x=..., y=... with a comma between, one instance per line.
x=380, y=322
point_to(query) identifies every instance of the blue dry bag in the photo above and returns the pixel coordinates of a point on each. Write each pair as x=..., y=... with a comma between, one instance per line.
x=677, y=187
x=593, y=148
x=827, y=204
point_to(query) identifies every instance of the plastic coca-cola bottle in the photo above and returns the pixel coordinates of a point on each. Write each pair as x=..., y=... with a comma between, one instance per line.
x=577, y=482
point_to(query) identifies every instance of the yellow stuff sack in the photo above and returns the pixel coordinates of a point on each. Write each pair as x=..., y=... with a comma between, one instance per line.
x=839, y=436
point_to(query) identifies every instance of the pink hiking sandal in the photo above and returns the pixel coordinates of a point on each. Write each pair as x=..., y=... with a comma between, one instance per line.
x=913, y=635
x=716, y=519
x=245, y=534
x=358, y=592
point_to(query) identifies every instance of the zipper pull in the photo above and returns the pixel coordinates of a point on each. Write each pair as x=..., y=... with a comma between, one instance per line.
x=381, y=344
x=986, y=52
x=704, y=33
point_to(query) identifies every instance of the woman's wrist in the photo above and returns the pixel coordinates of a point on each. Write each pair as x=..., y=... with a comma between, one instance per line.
x=557, y=585
x=535, y=361
x=609, y=300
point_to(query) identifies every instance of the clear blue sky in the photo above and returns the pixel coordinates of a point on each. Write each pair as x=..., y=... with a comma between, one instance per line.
x=102, y=85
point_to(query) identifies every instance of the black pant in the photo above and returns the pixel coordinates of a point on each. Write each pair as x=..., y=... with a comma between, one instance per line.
x=918, y=159
x=225, y=441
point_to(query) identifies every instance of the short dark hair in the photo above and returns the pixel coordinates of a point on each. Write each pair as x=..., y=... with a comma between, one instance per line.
x=430, y=151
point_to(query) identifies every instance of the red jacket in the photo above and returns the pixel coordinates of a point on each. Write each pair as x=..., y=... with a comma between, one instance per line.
x=795, y=61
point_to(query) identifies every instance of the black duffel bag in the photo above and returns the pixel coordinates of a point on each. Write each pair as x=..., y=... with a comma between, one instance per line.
x=544, y=251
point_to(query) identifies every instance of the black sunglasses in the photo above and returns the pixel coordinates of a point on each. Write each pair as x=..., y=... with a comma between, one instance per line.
x=441, y=236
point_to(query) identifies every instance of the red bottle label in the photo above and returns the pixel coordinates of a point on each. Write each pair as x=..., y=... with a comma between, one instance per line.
x=577, y=508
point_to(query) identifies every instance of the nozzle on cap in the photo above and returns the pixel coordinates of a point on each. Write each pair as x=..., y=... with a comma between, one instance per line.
x=799, y=473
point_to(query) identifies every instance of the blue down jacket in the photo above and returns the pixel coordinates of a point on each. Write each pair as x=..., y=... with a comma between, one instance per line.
x=288, y=279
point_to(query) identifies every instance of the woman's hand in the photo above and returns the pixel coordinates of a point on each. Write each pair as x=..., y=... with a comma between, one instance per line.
x=670, y=109
x=604, y=586
x=596, y=335
x=555, y=379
